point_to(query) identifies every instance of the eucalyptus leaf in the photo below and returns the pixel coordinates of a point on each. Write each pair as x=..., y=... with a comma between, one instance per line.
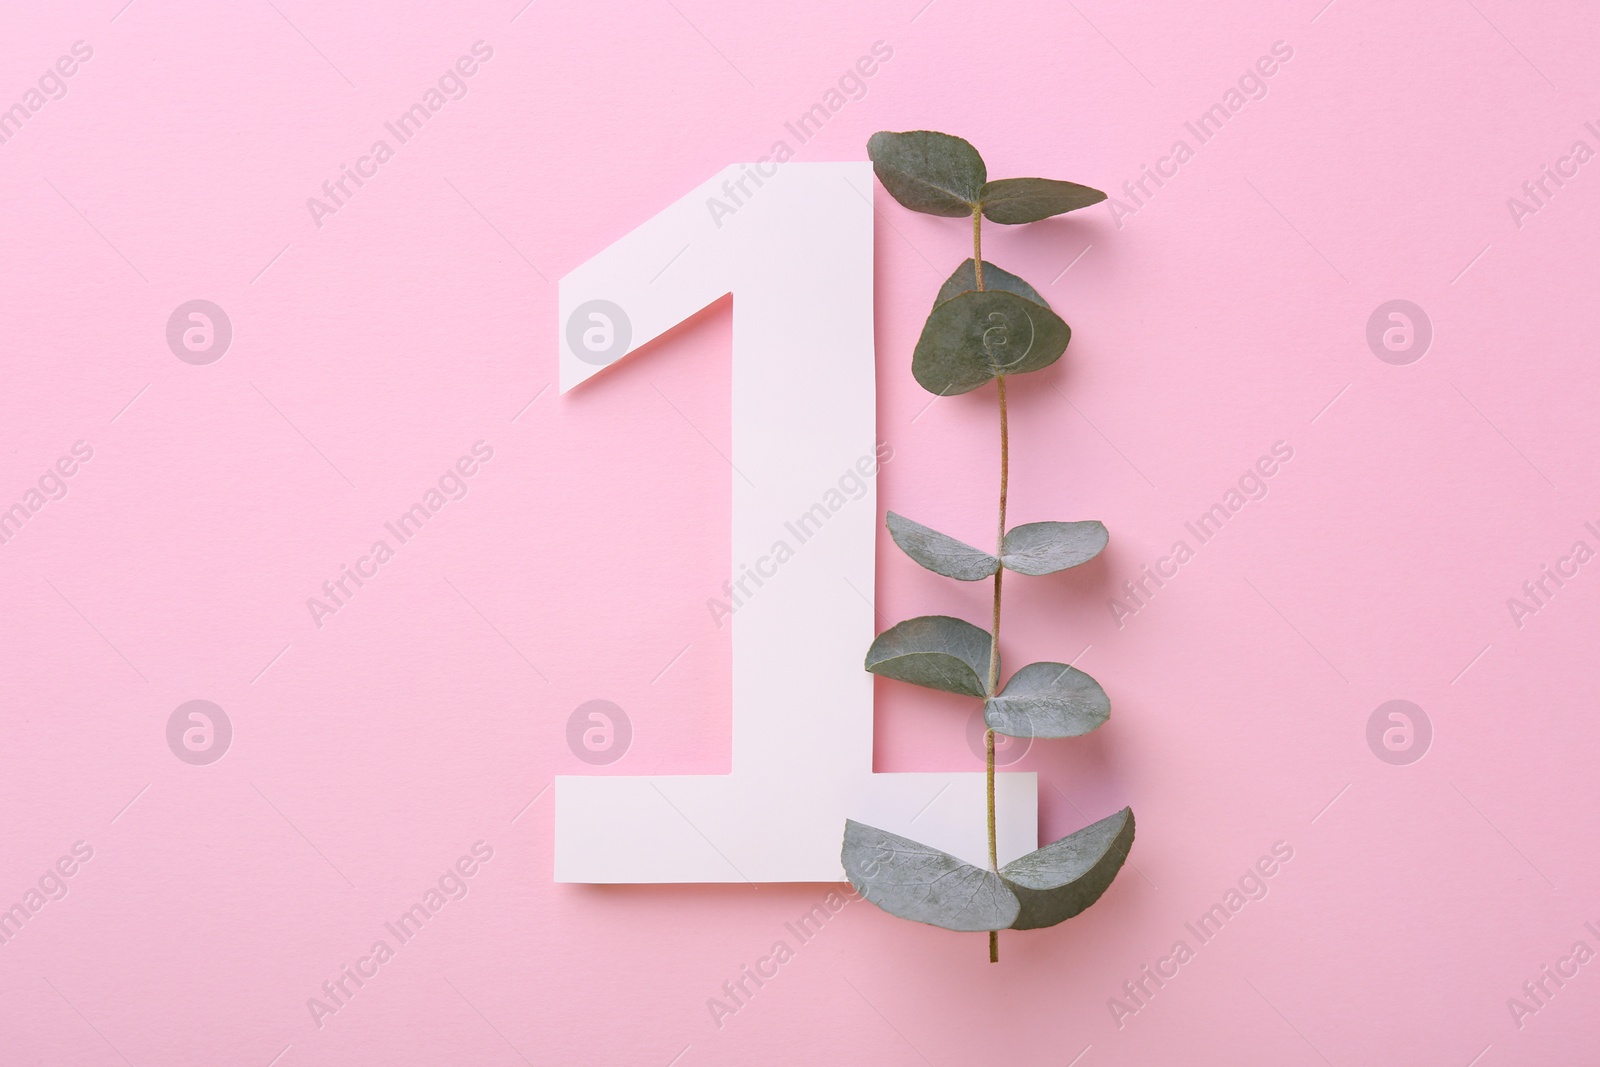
x=965, y=280
x=975, y=336
x=1047, y=700
x=1011, y=201
x=941, y=553
x=1058, y=881
x=934, y=651
x=1047, y=547
x=934, y=173
x=920, y=883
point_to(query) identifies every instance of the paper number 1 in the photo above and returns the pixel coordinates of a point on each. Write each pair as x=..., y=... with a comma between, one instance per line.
x=797, y=256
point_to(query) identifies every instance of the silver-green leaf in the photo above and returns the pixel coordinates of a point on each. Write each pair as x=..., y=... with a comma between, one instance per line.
x=1047, y=700
x=941, y=553
x=1011, y=201
x=1047, y=547
x=934, y=651
x=925, y=885
x=965, y=280
x=975, y=336
x=1062, y=879
x=930, y=172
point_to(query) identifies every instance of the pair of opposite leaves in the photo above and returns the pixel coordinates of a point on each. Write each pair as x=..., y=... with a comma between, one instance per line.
x=1043, y=888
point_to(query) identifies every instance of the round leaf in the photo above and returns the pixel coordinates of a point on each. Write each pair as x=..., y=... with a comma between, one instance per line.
x=925, y=885
x=1062, y=879
x=1047, y=547
x=934, y=173
x=941, y=553
x=1016, y=200
x=1048, y=700
x=934, y=651
x=975, y=336
x=965, y=280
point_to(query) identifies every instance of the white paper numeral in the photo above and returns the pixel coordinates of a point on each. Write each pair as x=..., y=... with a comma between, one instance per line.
x=797, y=257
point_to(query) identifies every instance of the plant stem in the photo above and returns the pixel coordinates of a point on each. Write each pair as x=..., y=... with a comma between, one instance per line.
x=994, y=639
x=1000, y=535
x=977, y=247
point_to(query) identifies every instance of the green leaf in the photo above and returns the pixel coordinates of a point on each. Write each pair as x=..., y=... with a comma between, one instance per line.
x=1060, y=880
x=972, y=337
x=1047, y=547
x=941, y=553
x=1047, y=700
x=923, y=884
x=934, y=651
x=934, y=173
x=965, y=280
x=1016, y=200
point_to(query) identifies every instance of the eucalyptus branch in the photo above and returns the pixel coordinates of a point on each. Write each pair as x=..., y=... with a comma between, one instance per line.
x=977, y=333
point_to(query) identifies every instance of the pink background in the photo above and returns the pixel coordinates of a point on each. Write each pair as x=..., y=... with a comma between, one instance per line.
x=1228, y=313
